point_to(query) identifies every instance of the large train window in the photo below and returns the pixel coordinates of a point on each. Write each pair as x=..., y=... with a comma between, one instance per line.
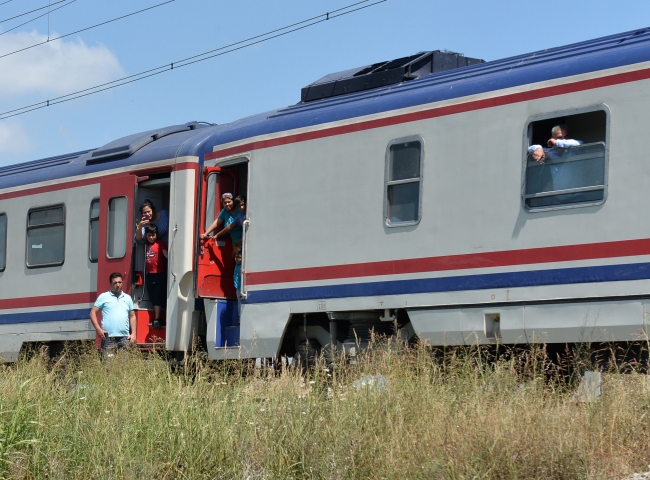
x=117, y=224
x=403, y=189
x=93, y=231
x=566, y=159
x=46, y=236
x=3, y=241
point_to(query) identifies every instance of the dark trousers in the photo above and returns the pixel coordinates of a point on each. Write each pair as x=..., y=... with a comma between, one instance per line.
x=111, y=344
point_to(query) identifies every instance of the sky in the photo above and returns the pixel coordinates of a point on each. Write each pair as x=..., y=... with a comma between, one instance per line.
x=255, y=79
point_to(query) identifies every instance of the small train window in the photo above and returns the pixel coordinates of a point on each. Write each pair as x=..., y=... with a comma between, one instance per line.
x=117, y=224
x=403, y=190
x=45, y=236
x=93, y=231
x=566, y=160
x=3, y=241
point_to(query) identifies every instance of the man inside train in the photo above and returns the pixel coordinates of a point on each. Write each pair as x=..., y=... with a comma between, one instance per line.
x=559, y=134
x=564, y=175
x=117, y=316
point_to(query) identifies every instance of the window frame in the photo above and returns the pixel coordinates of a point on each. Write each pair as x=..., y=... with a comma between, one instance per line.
x=28, y=228
x=90, y=222
x=388, y=182
x=108, y=229
x=557, y=114
x=6, y=239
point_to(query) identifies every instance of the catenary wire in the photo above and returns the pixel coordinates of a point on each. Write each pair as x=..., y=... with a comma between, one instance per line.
x=36, y=18
x=190, y=60
x=31, y=11
x=5, y=2
x=87, y=28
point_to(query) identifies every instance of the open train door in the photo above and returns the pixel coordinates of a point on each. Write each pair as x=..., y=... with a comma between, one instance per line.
x=215, y=264
x=114, y=227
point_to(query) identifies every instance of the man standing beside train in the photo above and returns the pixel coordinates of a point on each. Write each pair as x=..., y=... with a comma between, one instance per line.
x=117, y=313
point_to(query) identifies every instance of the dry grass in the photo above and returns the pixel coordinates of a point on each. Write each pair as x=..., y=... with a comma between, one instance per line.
x=455, y=417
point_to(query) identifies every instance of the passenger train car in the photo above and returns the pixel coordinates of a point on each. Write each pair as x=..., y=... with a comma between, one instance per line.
x=397, y=194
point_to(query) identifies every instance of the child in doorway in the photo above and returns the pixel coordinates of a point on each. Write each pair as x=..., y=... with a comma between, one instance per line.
x=156, y=274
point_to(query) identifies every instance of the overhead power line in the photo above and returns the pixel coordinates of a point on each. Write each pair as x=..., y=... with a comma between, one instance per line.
x=5, y=2
x=50, y=40
x=31, y=11
x=194, y=58
x=36, y=18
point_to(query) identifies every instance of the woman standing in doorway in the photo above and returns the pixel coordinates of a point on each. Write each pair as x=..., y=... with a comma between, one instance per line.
x=150, y=216
x=228, y=218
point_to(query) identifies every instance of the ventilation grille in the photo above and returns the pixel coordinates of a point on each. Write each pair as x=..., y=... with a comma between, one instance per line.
x=386, y=73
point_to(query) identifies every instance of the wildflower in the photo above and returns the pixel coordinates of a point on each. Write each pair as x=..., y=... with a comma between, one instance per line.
x=107, y=411
x=312, y=382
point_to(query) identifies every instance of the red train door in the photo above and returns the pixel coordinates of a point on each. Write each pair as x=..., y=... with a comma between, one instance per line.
x=115, y=239
x=215, y=265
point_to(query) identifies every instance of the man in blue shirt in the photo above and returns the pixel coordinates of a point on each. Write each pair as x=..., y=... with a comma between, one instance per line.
x=117, y=313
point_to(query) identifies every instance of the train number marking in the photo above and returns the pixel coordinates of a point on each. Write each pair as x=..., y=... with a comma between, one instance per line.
x=321, y=307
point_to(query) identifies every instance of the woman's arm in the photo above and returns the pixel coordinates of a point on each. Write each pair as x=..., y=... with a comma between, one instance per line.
x=216, y=224
x=225, y=230
x=138, y=229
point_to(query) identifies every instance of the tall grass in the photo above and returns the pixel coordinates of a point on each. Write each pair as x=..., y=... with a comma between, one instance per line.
x=454, y=414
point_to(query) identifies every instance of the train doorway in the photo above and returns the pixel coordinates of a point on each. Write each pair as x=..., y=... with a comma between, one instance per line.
x=155, y=189
x=215, y=263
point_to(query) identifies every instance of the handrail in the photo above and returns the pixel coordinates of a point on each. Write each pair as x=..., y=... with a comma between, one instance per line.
x=564, y=192
x=244, y=242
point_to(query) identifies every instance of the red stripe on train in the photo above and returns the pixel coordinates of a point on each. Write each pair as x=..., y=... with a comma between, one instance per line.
x=438, y=112
x=49, y=300
x=567, y=253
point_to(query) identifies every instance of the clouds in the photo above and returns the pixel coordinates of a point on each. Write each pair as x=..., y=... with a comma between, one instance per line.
x=46, y=71
x=55, y=68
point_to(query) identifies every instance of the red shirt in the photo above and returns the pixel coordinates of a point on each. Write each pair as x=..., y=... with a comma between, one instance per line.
x=156, y=260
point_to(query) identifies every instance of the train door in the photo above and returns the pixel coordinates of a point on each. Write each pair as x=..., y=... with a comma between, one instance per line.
x=114, y=251
x=215, y=265
x=156, y=189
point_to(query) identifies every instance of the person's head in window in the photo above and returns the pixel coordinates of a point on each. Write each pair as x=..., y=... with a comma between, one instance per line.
x=228, y=202
x=240, y=202
x=558, y=132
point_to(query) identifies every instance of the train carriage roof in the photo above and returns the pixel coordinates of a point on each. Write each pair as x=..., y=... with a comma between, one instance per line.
x=589, y=56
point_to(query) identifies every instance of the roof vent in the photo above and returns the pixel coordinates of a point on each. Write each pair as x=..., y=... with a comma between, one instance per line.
x=385, y=73
x=127, y=146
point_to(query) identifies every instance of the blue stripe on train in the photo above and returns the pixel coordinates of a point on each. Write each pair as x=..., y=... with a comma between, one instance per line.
x=49, y=316
x=560, y=276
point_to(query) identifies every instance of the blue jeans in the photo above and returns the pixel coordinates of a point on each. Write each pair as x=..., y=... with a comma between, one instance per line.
x=111, y=344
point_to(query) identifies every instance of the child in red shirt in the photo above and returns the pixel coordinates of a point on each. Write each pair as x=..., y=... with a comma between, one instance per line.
x=156, y=274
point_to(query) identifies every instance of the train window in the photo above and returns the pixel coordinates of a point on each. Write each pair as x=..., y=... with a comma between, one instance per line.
x=210, y=200
x=93, y=231
x=117, y=223
x=571, y=173
x=46, y=236
x=3, y=241
x=403, y=190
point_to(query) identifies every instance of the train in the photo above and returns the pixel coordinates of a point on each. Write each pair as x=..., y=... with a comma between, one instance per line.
x=398, y=198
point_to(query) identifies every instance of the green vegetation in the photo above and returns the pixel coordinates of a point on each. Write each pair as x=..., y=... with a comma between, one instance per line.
x=451, y=415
